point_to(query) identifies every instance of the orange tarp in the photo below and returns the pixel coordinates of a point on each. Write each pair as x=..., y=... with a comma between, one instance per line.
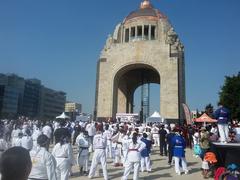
x=205, y=118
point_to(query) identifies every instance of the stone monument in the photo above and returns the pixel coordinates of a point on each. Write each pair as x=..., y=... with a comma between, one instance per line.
x=144, y=48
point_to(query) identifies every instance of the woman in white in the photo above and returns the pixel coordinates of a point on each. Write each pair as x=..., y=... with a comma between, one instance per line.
x=43, y=162
x=155, y=135
x=63, y=154
x=133, y=157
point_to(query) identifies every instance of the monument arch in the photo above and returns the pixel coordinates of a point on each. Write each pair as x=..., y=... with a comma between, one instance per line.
x=144, y=48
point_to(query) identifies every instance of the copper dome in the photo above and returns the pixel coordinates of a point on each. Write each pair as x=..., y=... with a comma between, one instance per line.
x=145, y=10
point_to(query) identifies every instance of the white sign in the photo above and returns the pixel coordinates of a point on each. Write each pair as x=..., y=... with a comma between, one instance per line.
x=127, y=117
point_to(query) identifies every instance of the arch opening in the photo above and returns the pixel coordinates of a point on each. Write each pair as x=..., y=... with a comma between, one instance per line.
x=126, y=81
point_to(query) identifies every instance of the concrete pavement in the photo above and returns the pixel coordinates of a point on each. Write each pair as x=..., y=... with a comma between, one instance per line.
x=160, y=169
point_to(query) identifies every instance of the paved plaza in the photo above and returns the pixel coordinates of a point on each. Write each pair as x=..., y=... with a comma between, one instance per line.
x=160, y=169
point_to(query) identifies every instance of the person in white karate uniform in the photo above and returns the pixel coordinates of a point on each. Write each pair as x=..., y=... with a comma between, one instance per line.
x=83, y=156
x=155, y=135
x=108, y=134
x=63, y=154
x=15, y=134
x=99, y=155
x=18, y=140
x=27, y=141
x=43, y=162
x=36, y=133
x=125, y=144
x=3, y=144
x=133, y=157
x=47, y=130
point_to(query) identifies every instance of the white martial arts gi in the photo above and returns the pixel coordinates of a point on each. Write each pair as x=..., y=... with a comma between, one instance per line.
x=14, y=135
x=64, y=157
x=47, y=130
x=36, y=133
x=43, y=164
x=133, y=159
x=155, y=135
x=83, y=155
x=27, y=142
x=99, y=155
x=108, y=135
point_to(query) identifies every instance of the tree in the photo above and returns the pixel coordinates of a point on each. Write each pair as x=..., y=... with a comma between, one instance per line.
x=229, y=95
x=209, y=110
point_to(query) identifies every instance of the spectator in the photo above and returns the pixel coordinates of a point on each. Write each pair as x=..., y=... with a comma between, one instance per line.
x=179, y=145
x=15, y=164
x=163, y=142
x=204, y=141
x=222, y=115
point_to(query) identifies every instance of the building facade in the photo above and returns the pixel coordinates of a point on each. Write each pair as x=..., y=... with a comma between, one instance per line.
x=20, y=97
x=12, y=90
x=52, y=103
x=31, y=98
x=73, y=107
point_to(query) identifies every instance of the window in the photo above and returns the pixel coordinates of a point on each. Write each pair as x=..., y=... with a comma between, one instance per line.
x=153, y=32
x=133, y=32
x=139, y=32
x=146, y=29
x=127, y=35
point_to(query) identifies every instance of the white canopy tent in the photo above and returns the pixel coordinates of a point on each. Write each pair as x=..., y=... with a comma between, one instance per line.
x=63, y=116
x=155, y=118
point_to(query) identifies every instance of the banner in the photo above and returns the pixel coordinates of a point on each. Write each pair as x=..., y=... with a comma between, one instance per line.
x=127, y=117
x=187, y=114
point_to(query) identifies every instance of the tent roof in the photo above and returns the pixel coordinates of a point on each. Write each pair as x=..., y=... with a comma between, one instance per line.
x=205, y=118
x=156, y=115
x=63, y=116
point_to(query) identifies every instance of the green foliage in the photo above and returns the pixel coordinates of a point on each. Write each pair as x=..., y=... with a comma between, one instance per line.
x=209, y=110
x=229, y=95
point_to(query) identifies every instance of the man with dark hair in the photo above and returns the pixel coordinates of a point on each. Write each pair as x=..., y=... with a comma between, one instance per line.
x=61, y=132
x=15, y=164
x=44, y=164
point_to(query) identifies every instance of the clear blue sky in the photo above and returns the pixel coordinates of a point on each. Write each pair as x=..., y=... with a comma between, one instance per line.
x=59, y=42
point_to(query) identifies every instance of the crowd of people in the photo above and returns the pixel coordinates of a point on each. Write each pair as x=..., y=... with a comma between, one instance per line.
x=127, y=144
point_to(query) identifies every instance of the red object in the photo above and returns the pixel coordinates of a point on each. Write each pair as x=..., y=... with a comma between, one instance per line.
x=205, y=118
x=219, y=172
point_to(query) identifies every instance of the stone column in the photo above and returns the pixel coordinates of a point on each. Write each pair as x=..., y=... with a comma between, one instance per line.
x=149, y=32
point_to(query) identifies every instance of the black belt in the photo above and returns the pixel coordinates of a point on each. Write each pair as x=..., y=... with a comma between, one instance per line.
x=1, y=150
x=83, y=147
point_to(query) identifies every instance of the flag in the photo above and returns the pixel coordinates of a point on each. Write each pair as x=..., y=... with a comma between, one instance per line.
x=187, y=114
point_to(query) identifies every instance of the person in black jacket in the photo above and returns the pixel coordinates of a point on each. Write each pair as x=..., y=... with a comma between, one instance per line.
x=163, y=142
x=170, y=147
